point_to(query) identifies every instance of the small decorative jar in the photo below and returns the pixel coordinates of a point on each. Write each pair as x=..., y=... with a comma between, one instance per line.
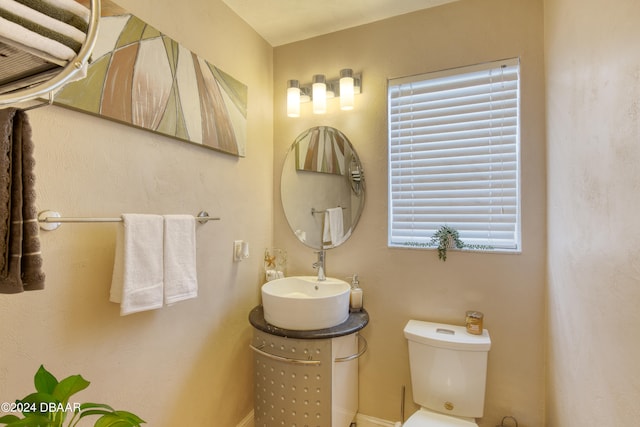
x=474, y=322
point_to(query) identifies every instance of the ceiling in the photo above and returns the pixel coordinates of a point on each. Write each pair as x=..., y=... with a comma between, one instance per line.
x=284, y=21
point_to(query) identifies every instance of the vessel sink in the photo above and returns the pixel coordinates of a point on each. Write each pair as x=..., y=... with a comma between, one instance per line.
x=302, y=303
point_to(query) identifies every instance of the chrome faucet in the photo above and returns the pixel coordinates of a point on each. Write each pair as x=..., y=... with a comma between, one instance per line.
x=319, y=265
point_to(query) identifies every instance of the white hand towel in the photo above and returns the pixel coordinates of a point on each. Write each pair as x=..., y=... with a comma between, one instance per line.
x=39, y=18
x=180, y=274
x=32, y=40
x=71, y=6
x=333, y=228
x=137, y=282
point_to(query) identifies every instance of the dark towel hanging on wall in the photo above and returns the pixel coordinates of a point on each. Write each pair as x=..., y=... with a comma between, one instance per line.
x=20, y=257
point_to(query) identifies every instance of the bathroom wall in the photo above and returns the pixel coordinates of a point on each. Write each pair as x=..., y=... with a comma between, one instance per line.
x=593, y=98
x=402, y=284
x=187, y=364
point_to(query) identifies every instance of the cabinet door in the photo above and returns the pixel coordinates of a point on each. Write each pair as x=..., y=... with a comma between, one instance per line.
x=345, y=380
x=288, y=392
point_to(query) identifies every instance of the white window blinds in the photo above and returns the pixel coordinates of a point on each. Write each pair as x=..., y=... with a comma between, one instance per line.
x=454, y=156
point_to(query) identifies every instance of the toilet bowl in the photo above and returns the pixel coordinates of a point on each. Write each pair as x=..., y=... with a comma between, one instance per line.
x=448, y=374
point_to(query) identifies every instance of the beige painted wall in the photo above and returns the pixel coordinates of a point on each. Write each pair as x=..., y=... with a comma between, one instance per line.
x=182, y=365
x=190, y=360
x=412, y=284
x=593, y=98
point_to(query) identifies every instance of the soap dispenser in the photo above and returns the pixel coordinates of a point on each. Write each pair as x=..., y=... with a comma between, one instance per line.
x=356, y=294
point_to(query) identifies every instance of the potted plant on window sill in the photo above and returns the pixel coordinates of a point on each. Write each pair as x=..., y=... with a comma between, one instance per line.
x=50, y=405
x=446, y=238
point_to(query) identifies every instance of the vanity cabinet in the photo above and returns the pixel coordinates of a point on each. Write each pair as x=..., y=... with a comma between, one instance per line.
x=306, y=378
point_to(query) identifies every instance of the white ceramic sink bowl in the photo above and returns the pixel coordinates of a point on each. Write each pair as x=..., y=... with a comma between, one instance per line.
x=302, y=303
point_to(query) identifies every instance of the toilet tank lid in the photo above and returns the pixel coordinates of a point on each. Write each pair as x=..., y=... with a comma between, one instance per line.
x=446, y=336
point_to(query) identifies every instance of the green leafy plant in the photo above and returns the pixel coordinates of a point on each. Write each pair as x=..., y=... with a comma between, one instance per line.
x=49, y=406
x=446, y=238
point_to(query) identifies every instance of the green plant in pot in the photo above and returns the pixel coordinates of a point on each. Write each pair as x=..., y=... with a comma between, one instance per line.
x=444, y=238
x=448, y=238
x=50, y=406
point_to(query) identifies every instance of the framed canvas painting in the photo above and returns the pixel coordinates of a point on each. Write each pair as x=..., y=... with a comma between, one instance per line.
x=140, y=77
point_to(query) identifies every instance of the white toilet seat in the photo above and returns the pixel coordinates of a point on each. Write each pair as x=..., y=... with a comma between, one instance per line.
x=426, y=418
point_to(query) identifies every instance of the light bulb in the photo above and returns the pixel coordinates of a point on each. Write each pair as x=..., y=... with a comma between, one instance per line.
x=346, y=89
x=319, y=94
x=293, y=98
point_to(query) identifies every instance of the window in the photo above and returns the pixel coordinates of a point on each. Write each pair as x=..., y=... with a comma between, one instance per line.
x=454, y=156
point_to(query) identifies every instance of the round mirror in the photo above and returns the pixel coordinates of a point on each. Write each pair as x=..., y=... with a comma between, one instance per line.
x=322, y=187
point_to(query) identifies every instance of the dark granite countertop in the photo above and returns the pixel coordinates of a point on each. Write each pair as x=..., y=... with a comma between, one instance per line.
x=356, y=321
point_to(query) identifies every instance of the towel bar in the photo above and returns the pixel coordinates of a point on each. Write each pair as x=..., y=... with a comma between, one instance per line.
x=315, y=211
x=260, y=351
x=51, y=220
x=356, y=355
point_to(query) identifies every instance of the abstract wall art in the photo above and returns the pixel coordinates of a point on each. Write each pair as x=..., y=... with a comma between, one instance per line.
x=140, y=77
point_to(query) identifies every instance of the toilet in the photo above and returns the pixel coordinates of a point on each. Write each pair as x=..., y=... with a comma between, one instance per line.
x=448, y=374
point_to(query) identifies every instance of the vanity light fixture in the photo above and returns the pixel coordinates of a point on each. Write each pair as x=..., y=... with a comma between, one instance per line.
x=319, y=94
x=321, y=89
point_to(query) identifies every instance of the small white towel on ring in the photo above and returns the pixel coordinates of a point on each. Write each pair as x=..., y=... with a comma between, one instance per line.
x=137, y=282
x=333, y=228
x=180, y=274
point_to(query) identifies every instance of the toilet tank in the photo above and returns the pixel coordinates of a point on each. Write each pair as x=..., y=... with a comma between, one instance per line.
x=448, y=367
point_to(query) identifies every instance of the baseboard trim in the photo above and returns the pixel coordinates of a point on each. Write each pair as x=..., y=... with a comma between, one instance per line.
x=361, y=420
x=367, y=421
